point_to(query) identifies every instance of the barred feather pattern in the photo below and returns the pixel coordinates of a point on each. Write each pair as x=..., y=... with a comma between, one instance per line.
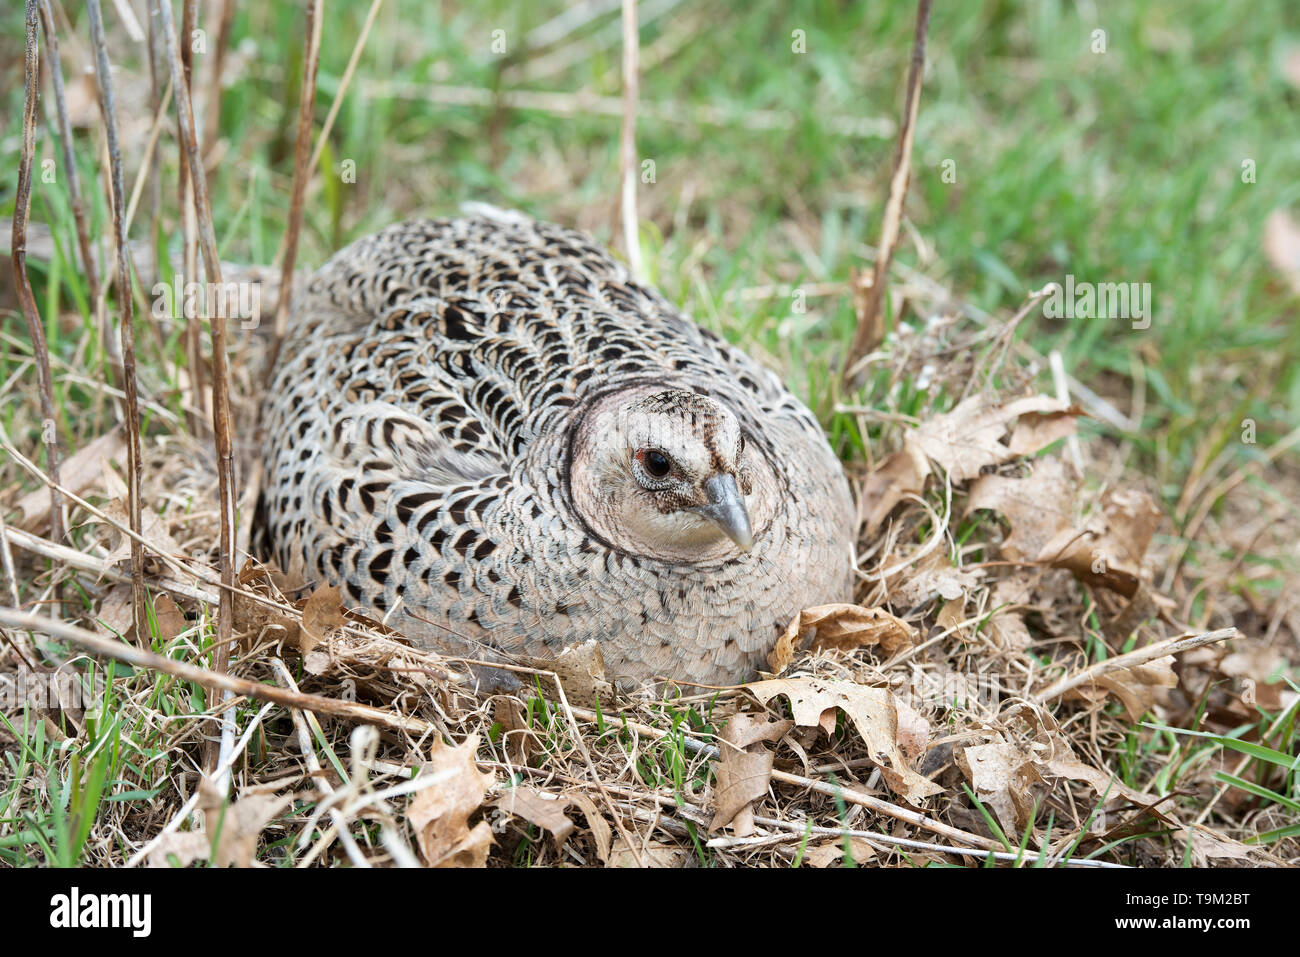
x=420, y=452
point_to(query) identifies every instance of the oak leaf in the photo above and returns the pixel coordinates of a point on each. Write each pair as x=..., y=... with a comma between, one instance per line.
x=874, y=713
x=440, y=813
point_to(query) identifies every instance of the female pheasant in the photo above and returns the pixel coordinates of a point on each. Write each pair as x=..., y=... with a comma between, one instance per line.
x=486, y=431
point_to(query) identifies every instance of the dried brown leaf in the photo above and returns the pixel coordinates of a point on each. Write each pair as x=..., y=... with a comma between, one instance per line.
x=649, y=854
x=184, y=847
x=581, y=670
x=171, y=620
x=1063, y=762
x=519, y=740
x=1035, y=432
x=153, y=530
x=968, y=439
x=873, y=712
x=599, y=827
x=1009, y=631
x=321, y=616
x=843, y=627
x=930, y=577
x=742, y=778
x=1037, y=507
x=746, y=729
x=1141, y=687
x=898, y=476
x=827, y=854
x=540, y=808
x=744, y=769
x=76, y=473
x=1002, y=776
x=240, y=824
x=1109, y=550
x=913, y=730
x=439, y=814
x=115, y=617
x=1207, y=846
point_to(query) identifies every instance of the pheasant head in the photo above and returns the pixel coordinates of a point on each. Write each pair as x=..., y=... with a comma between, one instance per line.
x=669, y=474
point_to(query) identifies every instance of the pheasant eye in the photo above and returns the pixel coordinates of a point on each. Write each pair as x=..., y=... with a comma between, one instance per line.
x=656, y=463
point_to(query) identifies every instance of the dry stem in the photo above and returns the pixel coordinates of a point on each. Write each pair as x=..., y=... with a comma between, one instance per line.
x=301, y=173
x=135, y=465
x=870, y=330
x=627, y=141
x=18, y=252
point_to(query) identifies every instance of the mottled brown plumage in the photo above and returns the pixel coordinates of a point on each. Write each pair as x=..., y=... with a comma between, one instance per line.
x=485, y=430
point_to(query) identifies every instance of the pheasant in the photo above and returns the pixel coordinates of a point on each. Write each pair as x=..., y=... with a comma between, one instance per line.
x=487, y=433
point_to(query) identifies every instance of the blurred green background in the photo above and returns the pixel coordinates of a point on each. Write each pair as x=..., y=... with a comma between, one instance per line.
x=772, y=166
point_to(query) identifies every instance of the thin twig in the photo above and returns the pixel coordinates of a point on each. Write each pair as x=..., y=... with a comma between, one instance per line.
x=126, y=305
x=344, y=83
x=127, y=17
x=871, y=325
x=18, y=253
x=798, y=828
x=153, y=178
x=188, y=214
x=627, y=142
x=213, y=680
x=220, y=377
x=301, y=173
x=322, y=138
x=7, y=561
x=90, y=269
x=916, y=818
x=1139, y=656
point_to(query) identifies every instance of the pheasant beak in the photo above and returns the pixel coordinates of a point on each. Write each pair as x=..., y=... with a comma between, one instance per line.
x=726, y=509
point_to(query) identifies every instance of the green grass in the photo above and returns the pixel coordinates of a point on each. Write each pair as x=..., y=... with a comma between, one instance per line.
x=1117, y=167
x=1122, y=166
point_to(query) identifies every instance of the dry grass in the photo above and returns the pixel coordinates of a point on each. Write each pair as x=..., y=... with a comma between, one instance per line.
x=646, y=763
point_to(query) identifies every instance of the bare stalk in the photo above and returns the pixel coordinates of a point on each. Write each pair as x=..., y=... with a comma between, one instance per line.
x=135, y=466
x=215, y=680
x=190, y=241
x=89, y=267
x=157, y=253
x=18, y=250
x=1139, y=656
x=627, y=141
x=220, y=376
x=301, y=173
x=871, y=317
x=344, y=83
